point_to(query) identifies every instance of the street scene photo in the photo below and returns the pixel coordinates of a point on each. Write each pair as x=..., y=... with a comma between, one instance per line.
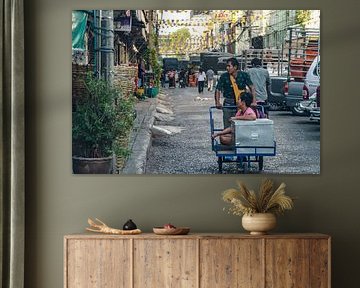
x=195, y=92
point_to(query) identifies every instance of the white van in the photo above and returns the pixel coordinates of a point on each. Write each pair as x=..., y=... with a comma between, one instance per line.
x=312, y=79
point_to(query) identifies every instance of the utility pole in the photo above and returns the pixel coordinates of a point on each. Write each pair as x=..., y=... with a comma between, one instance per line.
x=107, y=45
x=97, y=42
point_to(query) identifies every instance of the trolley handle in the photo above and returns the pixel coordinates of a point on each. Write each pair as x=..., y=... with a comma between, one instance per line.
x=212, y=124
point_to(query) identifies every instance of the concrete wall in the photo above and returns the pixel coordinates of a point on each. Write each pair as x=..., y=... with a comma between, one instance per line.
x=59, y=203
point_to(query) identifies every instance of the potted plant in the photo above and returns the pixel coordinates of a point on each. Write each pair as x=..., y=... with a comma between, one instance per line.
x=100, y=117
x=258, y=210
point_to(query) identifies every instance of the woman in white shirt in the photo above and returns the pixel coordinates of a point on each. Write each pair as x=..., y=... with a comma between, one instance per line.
x=201, y=76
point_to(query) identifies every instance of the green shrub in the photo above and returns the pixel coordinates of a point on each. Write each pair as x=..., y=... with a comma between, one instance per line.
x=101, y=117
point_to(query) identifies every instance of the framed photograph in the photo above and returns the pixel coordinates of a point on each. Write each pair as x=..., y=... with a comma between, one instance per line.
x=196, y=91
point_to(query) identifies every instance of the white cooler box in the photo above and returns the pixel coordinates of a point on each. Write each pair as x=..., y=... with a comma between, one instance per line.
x=257, y=133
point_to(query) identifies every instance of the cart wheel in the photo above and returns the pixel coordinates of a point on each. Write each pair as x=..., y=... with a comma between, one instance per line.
x=240, y=162
x=261, y=163
x=245, y=167
x=220, y=164
x=245, y=164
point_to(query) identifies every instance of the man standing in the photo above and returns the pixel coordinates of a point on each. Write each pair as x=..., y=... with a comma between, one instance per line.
x=261, y=80
x=210, y=79
x=231, y=84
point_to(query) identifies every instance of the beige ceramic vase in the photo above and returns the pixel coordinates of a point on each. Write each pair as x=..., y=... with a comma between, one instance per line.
x=259, y=223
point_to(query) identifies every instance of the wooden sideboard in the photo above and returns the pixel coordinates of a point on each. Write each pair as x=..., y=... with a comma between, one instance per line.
x=197, y=261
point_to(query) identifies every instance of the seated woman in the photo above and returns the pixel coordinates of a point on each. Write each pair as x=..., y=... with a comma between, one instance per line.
x=245, y=112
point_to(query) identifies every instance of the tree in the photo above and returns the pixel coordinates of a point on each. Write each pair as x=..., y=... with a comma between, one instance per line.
x=302, y=17
x=178, y=40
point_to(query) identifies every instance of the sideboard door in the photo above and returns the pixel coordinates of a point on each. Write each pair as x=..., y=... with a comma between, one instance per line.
x=297, y=263
x=231, y=263
x=98, y=263
x=163, y=263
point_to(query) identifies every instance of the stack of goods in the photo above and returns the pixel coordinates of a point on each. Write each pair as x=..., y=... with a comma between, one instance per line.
x=78, y=80
x=125, y=78
x=192, y=80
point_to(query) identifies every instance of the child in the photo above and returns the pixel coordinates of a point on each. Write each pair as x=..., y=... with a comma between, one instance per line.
x=245, y=112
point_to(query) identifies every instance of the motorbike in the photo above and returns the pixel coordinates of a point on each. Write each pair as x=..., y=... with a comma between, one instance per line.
x=182, y=83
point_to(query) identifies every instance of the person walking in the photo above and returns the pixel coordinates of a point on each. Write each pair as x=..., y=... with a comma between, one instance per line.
x=201, y=80
x=261, y=80
x=231, y=84
x=210, y=79
x=171, y=76
x=182, y=80
x=162, y=78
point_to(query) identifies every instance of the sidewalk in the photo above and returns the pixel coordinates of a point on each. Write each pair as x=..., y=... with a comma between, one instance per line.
x=140, y=138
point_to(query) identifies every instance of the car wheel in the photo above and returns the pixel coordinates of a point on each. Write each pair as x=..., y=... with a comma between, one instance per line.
x=298, y=112
x=261, y=163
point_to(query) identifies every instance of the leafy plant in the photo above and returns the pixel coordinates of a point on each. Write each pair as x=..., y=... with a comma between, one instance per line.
x=153, y=61
x=245, y=201
x=100, y=118
x=302, y=17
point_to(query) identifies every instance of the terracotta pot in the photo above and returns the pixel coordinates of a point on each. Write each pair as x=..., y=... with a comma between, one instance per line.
x=259, y=223
x=92, y=165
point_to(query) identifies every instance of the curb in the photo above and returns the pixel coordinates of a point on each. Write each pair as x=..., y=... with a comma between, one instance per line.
x=140, y=138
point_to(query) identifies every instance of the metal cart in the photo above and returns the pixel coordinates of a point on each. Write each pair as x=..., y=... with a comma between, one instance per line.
x=243, y=155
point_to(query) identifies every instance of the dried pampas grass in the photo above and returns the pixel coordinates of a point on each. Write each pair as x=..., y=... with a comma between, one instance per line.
x=246, y=202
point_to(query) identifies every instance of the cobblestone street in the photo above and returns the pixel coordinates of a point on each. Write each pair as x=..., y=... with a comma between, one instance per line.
x=189, y=152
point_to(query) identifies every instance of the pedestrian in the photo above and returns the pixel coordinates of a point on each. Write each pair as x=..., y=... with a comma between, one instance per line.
x=162, y=78
x=187, y=78
x=141, y=73
x=182, y=79
x=261, y=80
x=210, y=79
x=171, y=76
x=189, y=75
x=201, y=80
x=231, y=84
x=245, y=112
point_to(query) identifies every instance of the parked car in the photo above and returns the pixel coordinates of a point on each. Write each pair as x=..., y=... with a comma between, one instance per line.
x=306, y=106
x=315, y=112
x=312, y=79
x=276, y=98
x=293, y=97
x=311, y=106
x=297, y=91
